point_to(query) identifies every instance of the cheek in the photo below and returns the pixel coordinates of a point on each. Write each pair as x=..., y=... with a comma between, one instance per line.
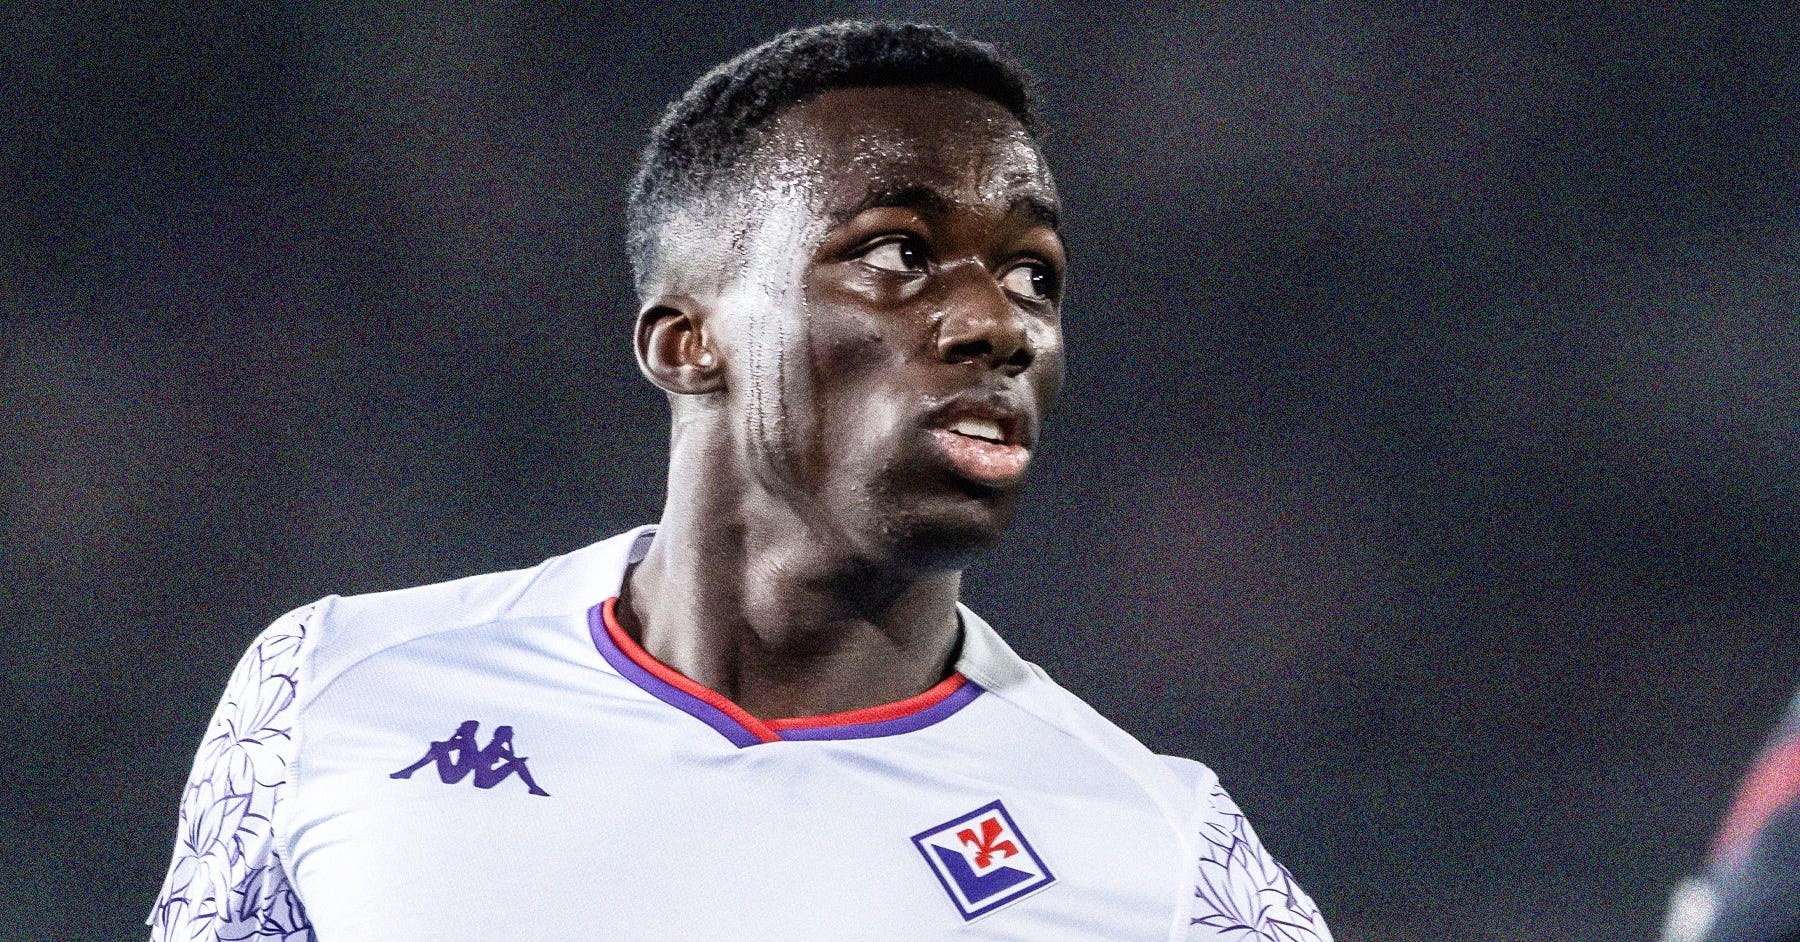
x=1050, y=367
x=849, y=340
x=858, y=372
x=852, y=369
x=850, y=355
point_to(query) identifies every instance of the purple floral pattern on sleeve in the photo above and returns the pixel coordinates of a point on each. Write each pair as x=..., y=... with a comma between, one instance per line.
x=225, y=882
x=1242, y=894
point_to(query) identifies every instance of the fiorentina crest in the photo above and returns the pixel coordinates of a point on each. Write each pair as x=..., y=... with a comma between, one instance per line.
x=983, y=861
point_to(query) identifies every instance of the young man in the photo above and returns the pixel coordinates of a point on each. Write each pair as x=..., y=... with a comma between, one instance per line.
x=766, y=717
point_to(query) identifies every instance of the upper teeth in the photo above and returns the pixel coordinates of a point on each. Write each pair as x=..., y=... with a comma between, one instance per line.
x=978, y=428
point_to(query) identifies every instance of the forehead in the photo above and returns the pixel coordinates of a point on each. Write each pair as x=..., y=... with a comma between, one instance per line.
x=846, y=147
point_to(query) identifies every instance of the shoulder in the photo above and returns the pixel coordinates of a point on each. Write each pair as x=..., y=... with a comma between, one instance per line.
x=341, y=631
x=988, y=661
x=1201, y=782
x=1239, y=890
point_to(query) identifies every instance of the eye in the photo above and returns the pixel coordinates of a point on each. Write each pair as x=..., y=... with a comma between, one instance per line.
x=901, y=255
x=1030, y=280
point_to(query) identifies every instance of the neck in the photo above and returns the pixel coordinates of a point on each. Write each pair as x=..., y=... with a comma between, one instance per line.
x=746, y=597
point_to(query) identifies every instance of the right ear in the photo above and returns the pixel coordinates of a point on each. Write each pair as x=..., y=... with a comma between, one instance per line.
x=675, y=349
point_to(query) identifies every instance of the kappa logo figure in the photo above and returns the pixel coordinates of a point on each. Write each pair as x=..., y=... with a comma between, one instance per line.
x=459, y=755
x=983, y=861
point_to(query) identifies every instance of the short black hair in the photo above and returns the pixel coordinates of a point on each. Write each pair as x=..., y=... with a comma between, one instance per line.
x=710, y=129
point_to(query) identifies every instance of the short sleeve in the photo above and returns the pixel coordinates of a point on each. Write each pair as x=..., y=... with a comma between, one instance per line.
x=226, y=881
x=1241, y=894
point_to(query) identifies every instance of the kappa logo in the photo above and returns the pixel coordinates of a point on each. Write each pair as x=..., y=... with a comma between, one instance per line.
x=459, y=755
x=983, y=860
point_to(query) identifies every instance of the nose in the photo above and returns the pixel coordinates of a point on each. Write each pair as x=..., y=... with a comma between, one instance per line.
x=981, y=325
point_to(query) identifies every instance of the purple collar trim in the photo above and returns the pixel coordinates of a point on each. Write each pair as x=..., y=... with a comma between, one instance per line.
x=742, y=729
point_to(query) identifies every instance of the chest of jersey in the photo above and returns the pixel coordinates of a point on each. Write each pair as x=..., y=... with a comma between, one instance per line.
x=524, y=791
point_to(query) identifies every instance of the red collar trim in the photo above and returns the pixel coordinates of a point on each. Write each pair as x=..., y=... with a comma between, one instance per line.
x=899, y=709
x=771, y=730
x=674, y=678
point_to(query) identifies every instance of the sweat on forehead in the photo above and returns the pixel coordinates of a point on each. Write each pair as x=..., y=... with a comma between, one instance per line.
x=705, y=135
x=927, y=147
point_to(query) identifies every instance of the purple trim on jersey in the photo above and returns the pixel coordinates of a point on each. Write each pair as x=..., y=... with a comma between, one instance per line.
x=747, y=730
x=663, y=690
x=894, y=727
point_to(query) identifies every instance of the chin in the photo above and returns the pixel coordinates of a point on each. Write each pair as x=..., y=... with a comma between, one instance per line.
x=947, y=537
x=920, y=518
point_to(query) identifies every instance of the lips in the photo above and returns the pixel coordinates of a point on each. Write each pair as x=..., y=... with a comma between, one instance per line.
x=983, y=442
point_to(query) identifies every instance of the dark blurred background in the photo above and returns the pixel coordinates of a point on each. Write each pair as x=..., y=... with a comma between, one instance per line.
x=1427, y=464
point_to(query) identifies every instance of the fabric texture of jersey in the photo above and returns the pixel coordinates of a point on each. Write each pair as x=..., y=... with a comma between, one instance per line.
x=491, y=758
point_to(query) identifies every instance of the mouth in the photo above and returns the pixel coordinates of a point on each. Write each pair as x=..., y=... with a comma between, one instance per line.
x=984, y=443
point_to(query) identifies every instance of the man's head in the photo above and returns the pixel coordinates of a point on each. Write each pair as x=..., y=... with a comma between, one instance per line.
x=850, y=277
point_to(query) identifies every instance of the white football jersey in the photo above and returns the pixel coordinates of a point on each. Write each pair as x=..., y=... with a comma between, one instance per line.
x=492, y=758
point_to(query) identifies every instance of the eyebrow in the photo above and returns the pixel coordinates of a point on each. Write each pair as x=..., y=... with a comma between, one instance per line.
x=1039, y=209
x=904, y=197
x=930, y=200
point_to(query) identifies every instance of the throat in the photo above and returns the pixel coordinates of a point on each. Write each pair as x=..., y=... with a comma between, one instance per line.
x=785, y=643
